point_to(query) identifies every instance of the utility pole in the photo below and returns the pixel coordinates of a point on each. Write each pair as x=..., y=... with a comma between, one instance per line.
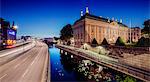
x=130, y=30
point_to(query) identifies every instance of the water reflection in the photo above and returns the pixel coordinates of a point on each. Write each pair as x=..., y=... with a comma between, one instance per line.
x=62, y=68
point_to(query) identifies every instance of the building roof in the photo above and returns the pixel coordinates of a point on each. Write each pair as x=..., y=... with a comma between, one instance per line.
x=135, y=28
x=99, y=19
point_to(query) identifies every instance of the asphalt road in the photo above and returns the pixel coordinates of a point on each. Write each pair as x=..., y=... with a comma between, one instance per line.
x=28, y=67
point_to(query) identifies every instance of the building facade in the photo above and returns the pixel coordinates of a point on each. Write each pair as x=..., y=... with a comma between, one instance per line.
x=89, y=27
x=7, y=33
x=135, y=34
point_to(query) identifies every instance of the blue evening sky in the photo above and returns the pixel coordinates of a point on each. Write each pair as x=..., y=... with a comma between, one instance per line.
x=45, y=18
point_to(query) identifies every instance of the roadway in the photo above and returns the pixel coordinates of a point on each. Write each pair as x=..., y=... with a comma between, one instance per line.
x=30, y=66
x=9, y=54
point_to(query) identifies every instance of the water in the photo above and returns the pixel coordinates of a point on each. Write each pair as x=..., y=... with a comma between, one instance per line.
x=59, y=70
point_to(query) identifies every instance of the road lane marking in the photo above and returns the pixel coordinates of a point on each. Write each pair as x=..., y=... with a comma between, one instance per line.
x=25, y=73
x=25, y=59
x=31, y=64
x=3, y=76
x=16, y=65
x=17, y=50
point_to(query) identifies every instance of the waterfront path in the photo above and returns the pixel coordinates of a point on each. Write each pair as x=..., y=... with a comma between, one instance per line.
x=108, y=62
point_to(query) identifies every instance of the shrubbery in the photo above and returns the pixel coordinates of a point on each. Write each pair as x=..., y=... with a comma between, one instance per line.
x=104, y=42
x=143, y=42
x=94, y=42
x=119, y=42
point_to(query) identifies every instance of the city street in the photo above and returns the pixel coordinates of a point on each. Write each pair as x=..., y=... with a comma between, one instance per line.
x=28, y=67
x=9, y=54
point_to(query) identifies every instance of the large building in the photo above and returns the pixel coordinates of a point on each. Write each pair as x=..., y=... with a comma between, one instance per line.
x=7, y=33
x=135, y=34
x=89, y=27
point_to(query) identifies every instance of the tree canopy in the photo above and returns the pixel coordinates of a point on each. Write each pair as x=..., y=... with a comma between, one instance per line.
x=143, y=42
x=146, y=29
x=66, y=32
x=94, y=41
x=119, y=42
x=104, y=42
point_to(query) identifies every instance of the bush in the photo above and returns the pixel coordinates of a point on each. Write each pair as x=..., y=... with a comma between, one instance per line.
x=143, y=42
x=119, y=42
x=68, y=43
x=104, y=42
x=94, y=42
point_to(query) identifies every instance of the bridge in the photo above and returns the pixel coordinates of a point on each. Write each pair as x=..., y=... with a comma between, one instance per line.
x=112, y=63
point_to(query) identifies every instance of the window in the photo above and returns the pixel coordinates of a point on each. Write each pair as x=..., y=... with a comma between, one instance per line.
x=99, y=29
x=92, y=30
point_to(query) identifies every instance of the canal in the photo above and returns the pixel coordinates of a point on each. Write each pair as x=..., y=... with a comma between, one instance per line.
x=64, y=67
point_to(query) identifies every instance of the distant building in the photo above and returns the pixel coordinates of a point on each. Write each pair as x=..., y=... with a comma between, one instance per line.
x=135, y=34
x=49, y=39
x=89, y=27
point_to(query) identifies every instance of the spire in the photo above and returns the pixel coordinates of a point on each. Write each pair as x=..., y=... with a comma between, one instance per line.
x=13, y=24
x=87, y=10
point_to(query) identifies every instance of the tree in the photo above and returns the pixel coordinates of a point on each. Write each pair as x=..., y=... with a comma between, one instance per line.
x=104, y=42
x=143, y=42
x=94, y=42
x=66, y=32
x=119, y=42
x=56, y=38
x=146, y=29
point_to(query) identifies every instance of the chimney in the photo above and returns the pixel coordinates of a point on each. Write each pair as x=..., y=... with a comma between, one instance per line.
x=81, y=13
x=113, y=18
x=87, y=10
x=108, y=19
x=116, y=20
x=120, y=20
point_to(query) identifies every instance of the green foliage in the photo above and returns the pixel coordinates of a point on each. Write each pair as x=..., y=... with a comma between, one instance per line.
x=68, y=43
x=66, y=32
x=146, y=29
x=104, y=42
x=129, y=79
x=119, y=42
x=143, y=42
x=56, y=38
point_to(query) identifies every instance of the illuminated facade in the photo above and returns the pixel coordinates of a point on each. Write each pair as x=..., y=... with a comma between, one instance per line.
x=135, y=34
x=89, y=27
x=8, y=33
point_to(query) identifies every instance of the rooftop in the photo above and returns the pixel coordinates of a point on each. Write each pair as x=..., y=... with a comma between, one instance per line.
x=90, y=16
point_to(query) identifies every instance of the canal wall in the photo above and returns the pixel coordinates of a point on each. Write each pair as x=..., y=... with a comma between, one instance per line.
x=144, y=76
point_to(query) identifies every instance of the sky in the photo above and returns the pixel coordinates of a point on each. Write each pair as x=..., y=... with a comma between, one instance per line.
x=45, y=18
